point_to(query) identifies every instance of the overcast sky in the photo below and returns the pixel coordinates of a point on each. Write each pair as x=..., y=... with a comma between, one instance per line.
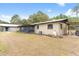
x=7, y=10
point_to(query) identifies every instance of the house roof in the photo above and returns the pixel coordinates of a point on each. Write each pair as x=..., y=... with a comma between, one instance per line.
x=10, y=25
x=16, y=25
x=58, y=20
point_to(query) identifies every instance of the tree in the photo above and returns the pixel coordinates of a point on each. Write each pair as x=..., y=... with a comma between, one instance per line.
x=61, y=16
x=38, y=17
x=1, y=22
x=24, y=22
x=76, y=10
x=15, y=19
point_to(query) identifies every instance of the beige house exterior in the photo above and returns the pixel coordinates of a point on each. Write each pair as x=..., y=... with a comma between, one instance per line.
x=54, y=27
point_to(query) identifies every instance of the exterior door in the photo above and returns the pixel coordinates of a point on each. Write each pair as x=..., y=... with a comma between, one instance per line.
x=6, y=28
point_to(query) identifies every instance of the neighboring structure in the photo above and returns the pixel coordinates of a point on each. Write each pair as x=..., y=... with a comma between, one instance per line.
x=54, y=27
x=76, y=27
x=9, y=27
x=76, y=32
x=16, y=27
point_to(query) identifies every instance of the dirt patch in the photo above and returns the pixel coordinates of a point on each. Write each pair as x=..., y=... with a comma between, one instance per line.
x=32, y=44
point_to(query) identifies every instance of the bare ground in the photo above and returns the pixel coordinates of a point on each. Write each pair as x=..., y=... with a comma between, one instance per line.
x=30, y=44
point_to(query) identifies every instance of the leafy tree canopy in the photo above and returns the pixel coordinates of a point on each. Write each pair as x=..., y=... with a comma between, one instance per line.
x=15, y=19
x=38, y=17
x=61, y=16
x=1, y=22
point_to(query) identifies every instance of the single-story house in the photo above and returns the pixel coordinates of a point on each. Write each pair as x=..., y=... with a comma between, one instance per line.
x=53, y=27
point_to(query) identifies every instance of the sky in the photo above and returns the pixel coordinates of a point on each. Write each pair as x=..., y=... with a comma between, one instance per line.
x=7, y=10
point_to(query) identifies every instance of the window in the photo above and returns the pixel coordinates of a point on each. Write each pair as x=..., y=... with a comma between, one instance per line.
x=61, y=26
x=37, y=26
x=50, y=26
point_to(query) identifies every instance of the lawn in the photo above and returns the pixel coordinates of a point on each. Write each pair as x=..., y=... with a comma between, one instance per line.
x=15, y=43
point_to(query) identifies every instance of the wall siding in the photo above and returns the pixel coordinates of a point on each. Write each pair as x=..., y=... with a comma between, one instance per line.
x=14, y=29
x=55, y=31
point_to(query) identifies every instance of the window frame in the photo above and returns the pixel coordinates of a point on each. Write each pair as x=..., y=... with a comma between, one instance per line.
x=61, y=26
x=50, y=26
x=37, y=26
